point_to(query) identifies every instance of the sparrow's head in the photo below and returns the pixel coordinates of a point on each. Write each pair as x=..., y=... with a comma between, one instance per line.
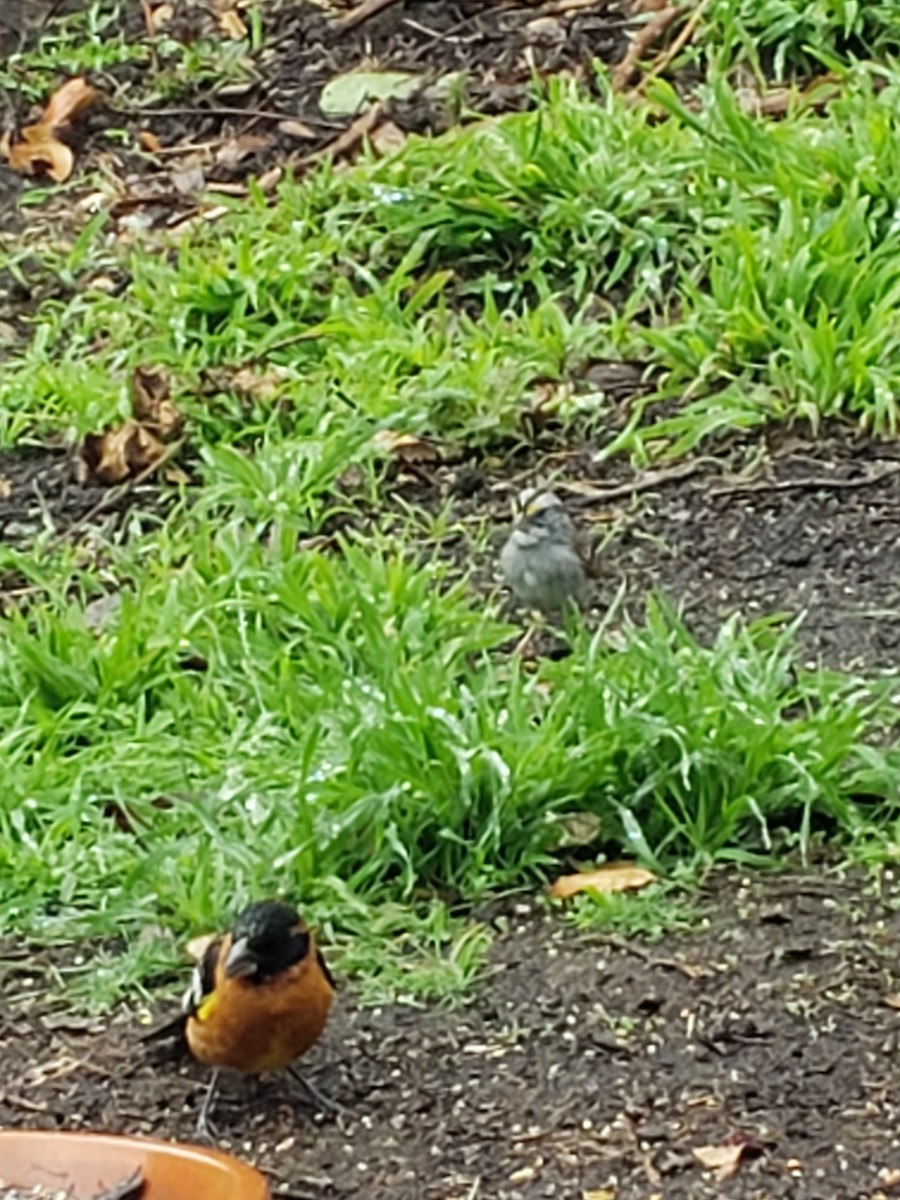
x=533, y=502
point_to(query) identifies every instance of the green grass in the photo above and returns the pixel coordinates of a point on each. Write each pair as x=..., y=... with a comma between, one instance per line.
x=107, y=41
x=342, y=723
x=354, y=740
x=785, y=39
x=753, y=269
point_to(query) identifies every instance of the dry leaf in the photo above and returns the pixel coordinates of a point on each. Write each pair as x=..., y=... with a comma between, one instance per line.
x=236, y=149
x=260, y=385
x=545, y=31
x=232, y=26
x=387, y=138
x=296, y=129
x=892, y=999
x=72, y=99
x=177, y=476
x=159, y=17
x=147, y=140
x=613, y=877
x=151, y=405
x=6, y=488
x=406, y=446
x=116, y=454
x=39, y=151
x=270, y=179
x=599, y=1194
x=724, y=1160
x=189, y=177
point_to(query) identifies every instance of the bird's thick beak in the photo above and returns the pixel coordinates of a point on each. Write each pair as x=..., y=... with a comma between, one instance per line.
x=240, y=961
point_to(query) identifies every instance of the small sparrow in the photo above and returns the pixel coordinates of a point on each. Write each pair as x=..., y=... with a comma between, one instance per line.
x=540, y=559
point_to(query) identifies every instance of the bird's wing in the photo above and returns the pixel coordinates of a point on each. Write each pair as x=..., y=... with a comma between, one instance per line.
x=203, y=980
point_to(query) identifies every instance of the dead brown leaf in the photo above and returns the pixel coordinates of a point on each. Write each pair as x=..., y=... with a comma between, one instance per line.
x=724, y=1160
x=892, y=1000
x=233, y=152
x=406, y=447
x=232, y=26
x=613, y=877
x=270, y=179
x=387, y=138
x=6, y=488
x=116, y=454
x=135, y=447
x=157, y=18
x=69, y=102
x=151, y=404
x=189, y=178
x=147, y=140
x=260, y=385
x=39, y=151
x=296, y=129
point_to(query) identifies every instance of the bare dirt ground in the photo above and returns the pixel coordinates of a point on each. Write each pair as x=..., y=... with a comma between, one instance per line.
x=581, y=1065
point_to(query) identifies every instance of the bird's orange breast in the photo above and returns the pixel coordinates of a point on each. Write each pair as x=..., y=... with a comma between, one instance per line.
x=256, y=1027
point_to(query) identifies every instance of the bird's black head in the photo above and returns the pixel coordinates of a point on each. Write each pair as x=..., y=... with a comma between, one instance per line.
x=267, y=938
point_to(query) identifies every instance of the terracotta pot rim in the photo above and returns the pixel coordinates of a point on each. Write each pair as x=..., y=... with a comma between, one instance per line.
x=172, y=1169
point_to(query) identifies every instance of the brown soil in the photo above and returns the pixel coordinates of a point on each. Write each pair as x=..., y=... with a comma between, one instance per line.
x=579, y=1064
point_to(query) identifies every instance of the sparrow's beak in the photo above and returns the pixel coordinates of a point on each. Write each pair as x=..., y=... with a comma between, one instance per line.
x=241, y=961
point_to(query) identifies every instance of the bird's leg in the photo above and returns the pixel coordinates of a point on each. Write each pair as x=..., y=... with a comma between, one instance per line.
x=319, y=1099
x=523, y=645
x=205, y=1127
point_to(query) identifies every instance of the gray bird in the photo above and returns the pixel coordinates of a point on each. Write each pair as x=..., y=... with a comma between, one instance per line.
x=540, y=560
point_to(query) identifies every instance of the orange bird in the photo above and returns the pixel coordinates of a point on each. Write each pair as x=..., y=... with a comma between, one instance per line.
x=259, y=998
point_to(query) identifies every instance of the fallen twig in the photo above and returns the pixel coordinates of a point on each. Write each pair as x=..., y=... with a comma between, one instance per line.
x=671, y=964
x=677, y=46
x=812, y=482
x=354, y=133
x=623, y=72
x=362, y=12
x=644, y=483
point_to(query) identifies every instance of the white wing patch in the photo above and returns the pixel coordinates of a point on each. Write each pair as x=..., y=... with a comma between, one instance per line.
x=193, y=996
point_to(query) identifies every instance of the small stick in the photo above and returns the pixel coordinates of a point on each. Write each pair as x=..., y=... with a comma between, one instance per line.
x=645, y=484
x=811, y=483
x=678, y=45
x=354, y=133
x=361, y=13
x=625, y=70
